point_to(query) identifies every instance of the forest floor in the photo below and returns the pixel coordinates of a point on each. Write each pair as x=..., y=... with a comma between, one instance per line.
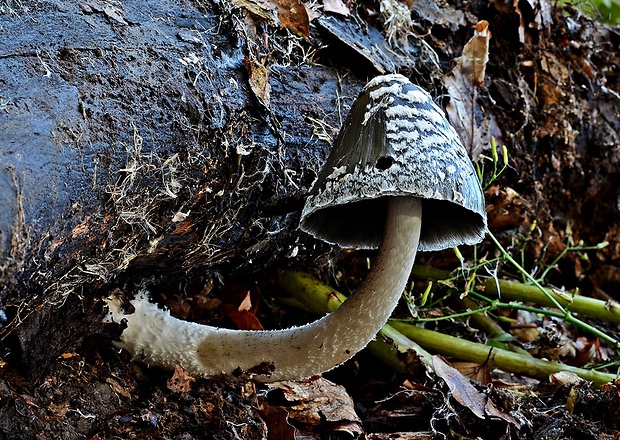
x=552, y=97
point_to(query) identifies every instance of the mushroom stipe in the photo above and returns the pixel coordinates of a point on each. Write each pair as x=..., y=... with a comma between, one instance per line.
x=398, y=178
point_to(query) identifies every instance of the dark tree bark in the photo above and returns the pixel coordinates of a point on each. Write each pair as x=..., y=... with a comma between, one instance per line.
x=133, y=147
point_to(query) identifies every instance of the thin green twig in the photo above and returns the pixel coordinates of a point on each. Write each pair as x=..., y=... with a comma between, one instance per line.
x=567, y=315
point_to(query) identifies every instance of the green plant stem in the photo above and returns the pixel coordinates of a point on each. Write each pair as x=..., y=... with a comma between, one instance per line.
x=492, y=329
x=428, y=272
x=495, y=357
x=515, y=305
x=320, y=298
x=595, y=308
x=403, y=344
x=568, y=317
x=511, y=290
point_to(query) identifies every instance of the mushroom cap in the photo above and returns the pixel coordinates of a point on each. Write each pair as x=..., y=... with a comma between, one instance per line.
x=396, y=142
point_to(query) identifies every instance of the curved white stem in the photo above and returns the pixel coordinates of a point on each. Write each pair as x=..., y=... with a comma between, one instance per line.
x=155, y=337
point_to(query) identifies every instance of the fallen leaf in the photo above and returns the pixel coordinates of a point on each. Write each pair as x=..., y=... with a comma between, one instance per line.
x=565, y=378
x=467, y=395
x=492, y=411
x=180, y=216
x=243, y=319
x=68, y=355
x=474, y=124
x=336, y=6
x=263, y=9
x=258, y=76
x=506, y=209
x=246, y=304
x=241, y=308
x=294, y=17
x=474, y=371
x=476, y=53
x=276, y=419
x=587, y=352
x=315, y=405
x=572, y=400
x=554, y=75
x=57, y=411
x=118, y=388
x=461, y=388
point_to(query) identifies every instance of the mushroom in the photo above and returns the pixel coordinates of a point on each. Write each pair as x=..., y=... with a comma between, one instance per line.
x=396, y=160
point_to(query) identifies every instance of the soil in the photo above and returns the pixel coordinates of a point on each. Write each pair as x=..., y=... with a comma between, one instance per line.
x=170, y=145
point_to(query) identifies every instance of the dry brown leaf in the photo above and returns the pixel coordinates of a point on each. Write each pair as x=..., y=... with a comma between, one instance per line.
x=294, y=17
x=475, y=125
x=492, y=411
x=336, y=6
x=258, y=76
x=68, y=355
x=276, y=419
x=290, y=14
x=118, y=388
x=506, y=209
x=467, y=395
x=264, y=9
x=56, y=412
x=550, y=84
x=476, y=52
x=241, y=305
x=565, y=378
x=588, y=352
x=243, y=319
x=525, y=332
x=462, y=389
x=572, y=400
x=475, y=371
x=246, y=304
x=316, y=405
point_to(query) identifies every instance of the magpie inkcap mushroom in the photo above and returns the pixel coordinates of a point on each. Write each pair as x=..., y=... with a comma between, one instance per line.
x=398, y=178
x=396, y=142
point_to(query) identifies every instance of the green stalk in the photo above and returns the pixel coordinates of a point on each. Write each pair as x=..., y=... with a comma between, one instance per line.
x=320, y=298
x=491, y=328
x=568, y=316
x=495, y=357
x=595, y=308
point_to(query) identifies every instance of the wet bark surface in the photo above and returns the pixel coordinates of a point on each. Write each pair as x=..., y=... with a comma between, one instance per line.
x=134, y=146
x=136, y=152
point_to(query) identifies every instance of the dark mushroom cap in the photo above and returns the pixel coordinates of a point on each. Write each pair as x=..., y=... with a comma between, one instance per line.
x=396, y=142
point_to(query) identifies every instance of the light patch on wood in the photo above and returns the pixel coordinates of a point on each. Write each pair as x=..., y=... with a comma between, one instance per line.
x=80, y=229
